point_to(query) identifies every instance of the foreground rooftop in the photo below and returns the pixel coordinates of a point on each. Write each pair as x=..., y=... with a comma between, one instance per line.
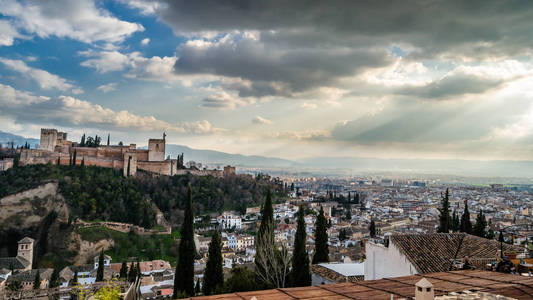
x=444, y=283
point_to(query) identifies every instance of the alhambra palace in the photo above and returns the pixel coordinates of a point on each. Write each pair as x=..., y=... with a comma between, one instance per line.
x=55, y=148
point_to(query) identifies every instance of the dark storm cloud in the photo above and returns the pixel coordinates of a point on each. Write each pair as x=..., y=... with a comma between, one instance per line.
x=304, y=44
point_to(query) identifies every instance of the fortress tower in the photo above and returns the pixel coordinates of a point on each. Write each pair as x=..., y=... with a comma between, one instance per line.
x=156, y=149
x=48, y=139
x=25, y=250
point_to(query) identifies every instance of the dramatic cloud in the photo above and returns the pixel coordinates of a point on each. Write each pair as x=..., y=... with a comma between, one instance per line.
x=80, y=20
x=261, y=120
x=105, y=88
x=44, y=79
x=72, y=112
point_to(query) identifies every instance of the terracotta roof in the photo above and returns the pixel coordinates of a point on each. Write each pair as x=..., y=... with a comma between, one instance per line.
x=15, y=263
x=434, y=252
x=513, y=286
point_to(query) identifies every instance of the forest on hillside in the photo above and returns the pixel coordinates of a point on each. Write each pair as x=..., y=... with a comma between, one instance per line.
x=95, y=193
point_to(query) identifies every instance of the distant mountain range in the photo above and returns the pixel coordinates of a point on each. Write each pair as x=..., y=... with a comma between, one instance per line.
x=338, y=165
x=219, y=158
x=6, y=137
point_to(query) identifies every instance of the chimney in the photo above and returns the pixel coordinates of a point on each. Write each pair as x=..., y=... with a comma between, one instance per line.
x=424, y=290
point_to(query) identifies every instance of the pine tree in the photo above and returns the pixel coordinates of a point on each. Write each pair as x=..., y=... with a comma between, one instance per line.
x=372, y=228
x=301, y=276
x=466, y=224
x=100, y=270
x=184, y=278
x=444, y=218
x=74, y=158
x=321, y=239
x=54, y=279
x=213, y=275
x=124, y=270
x=37, y=280
x=481, y=224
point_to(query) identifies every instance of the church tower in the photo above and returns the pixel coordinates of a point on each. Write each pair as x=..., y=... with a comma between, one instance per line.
x=25, y=250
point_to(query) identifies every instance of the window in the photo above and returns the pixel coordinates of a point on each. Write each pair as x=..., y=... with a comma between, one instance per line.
x=428, y=290
x=419, y=289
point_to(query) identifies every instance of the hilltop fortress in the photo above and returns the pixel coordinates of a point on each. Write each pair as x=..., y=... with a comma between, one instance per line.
x=55, y=148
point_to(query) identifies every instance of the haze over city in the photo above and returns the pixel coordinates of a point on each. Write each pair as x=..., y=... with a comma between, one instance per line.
x=386, y=79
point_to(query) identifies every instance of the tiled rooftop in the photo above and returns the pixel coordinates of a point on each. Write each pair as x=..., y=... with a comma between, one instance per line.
x=434, y=252
x=513, y=286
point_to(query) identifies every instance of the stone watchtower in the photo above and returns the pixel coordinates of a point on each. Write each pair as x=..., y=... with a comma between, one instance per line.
x=156, y=149
x=25, y=250
x=48, y=139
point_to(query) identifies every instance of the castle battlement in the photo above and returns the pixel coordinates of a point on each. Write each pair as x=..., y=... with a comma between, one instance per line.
x=56, y=149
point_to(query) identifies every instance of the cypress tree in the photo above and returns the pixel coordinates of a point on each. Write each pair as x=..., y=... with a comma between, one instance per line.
x=348, y=215
x=100, y=270
x=456, y=225
x=132, y=274
x=466, y=224
x=124, y=270
x=82, y=162
x=75, y=279
x=70, y=160
x=321, y=239
x=301, y=276
x=54, y=279
x=213, y=275
x=444, y=219
x=265, y=240
x=372, y=228
x=58, y=160
x=82, y=143
x=74, y=158
x=37, y=280
x=108, y=137
x=481, y=224
x=184, y=278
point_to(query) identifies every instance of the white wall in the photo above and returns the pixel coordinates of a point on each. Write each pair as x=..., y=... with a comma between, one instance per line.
x=383, y=262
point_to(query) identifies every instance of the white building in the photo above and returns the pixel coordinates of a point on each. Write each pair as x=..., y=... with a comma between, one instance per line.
x=229, y=221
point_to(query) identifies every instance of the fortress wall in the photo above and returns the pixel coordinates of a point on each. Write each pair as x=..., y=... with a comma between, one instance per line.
x=214, y=173
x=161, y=167
x=84, y=151
x=142, y=155
x=156, y=150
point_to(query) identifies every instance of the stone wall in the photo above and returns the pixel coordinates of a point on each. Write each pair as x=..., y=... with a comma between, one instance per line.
x=156, y=150
x=6, y=163
x=160, y=167
x=123, y=227
x=48, y=139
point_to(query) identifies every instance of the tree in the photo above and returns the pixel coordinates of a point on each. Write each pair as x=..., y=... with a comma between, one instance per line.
x=108, y=137
x=321, y=239
x=241, y=280
x=456, y=223
x=129, y=164
x=58, y=160
x=82, y=143
x=348, y=215
x=197, y=288
x=356, y=198
x=100, y=270
x=301, y=275
x=132, y=274
x=75, y=279
x=213, y=275
x=444, y=218
x=372, y=228
x=37, y=280
x=74, y=158
x=124, y=270
x=82, y=162
x=481, y=224
x=110, y=291
x=271, y=264
x=342, y=235
x=54, y=279
x=184, y=278
x=466, y=224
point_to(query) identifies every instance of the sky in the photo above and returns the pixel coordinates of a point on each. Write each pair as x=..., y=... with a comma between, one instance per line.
x=293, y=79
